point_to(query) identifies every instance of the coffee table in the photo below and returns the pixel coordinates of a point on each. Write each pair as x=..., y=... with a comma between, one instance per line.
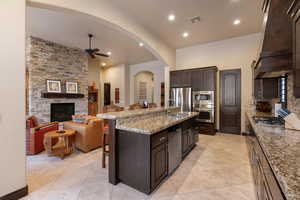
x=63, y=147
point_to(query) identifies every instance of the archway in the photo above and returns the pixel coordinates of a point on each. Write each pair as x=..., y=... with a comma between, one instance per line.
x=104, y=12
x=144, y=87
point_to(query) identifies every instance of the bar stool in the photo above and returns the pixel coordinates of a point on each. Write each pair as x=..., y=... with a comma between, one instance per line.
x=105, y=144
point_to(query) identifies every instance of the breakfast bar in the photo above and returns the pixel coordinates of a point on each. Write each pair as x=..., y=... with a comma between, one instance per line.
x=147, y=145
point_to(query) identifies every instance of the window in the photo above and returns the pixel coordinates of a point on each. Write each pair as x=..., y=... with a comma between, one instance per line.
x=283, y=90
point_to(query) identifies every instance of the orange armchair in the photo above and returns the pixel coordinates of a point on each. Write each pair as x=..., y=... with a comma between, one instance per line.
x=35, y=134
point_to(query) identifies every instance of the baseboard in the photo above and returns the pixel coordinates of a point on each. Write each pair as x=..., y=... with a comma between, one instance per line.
x=16, y=194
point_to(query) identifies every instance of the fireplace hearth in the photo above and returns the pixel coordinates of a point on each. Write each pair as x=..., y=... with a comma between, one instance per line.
x=62, y=111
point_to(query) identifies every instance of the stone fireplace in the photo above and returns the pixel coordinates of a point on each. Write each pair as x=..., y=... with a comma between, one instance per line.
x=51, y=61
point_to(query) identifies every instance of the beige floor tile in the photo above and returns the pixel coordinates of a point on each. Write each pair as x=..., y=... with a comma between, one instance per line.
x=217, y=168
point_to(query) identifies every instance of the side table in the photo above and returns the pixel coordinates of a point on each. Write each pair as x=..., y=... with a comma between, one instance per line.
x=64, y=146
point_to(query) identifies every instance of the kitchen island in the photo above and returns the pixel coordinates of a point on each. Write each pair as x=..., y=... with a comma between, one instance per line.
x=275, y=160
x=147, y=145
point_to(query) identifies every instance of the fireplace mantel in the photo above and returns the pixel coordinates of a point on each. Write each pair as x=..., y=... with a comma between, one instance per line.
x=51, y=95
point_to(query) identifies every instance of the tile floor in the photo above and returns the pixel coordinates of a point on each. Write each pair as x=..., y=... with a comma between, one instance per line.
x=217, y=169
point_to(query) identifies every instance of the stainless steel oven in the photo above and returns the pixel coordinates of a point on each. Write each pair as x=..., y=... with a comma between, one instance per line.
x=204, y=103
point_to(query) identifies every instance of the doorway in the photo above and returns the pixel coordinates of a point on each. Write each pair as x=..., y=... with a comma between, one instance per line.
x=107, y=94
x=230, y=101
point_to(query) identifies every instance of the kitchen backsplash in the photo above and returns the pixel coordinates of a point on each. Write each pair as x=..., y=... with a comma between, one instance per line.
x=293, y=103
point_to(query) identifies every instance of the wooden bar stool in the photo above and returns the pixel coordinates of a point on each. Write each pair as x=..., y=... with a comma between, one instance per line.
x=105, y=144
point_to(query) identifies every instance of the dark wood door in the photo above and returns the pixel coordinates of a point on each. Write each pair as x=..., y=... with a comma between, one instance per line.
x=230, y=101
x=107, y=94
x=159, y=164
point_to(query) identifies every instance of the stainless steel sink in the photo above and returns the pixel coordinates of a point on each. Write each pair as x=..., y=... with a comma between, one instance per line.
x=178, y=115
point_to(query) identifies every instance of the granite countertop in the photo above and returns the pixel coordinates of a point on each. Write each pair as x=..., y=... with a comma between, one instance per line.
x=282, y=148
x=154, y=124
x=133, y=113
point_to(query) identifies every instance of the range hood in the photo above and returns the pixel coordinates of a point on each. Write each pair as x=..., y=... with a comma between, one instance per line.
x=275, y=58
x=273, y=66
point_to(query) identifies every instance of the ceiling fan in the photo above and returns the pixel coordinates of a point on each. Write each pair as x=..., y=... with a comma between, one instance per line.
x=93, y=52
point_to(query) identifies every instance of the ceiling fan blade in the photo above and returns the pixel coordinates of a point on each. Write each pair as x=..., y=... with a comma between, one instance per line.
x=92, y=55
x=96, y=50
x=101, y=54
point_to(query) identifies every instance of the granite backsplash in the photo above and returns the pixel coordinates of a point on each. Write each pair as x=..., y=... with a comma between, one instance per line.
x=292, y=102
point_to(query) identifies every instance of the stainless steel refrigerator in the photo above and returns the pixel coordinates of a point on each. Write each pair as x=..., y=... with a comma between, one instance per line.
x=181, y=97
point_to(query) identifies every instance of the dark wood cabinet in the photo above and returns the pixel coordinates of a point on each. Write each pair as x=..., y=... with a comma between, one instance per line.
x=266, y=88
x=189, y=136
x=159, y=164
x=143, y=159
x=294, y=12
x=266, y=185
x=276, y=45
x=185, y=142
x=180, y=78
x=202, y=79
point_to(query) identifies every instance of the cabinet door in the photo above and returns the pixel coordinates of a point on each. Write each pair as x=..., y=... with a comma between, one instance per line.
x=197, y=80
x=180, y=78
x=209, y=80
x=174, y=79
x=159, y=164
x=191, y=141
x=185, y=142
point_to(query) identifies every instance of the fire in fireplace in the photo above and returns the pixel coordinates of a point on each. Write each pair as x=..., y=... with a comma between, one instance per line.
x=62, y=111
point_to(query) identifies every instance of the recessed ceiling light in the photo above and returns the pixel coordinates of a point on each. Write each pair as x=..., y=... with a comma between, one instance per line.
x=171, y=17
x=141, y=44
x=103, y=64
x=109, y=53
x=185, y=34
x=236, y=22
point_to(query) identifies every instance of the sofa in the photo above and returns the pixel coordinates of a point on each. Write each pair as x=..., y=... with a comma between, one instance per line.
x=88, y=134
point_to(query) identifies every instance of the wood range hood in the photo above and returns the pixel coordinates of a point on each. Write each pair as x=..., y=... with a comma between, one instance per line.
x=275, y=58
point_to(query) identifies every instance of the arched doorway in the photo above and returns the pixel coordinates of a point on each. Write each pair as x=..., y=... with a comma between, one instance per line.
x=144, y=87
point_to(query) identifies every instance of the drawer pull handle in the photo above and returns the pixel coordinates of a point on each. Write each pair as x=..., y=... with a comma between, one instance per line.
x=162, y=138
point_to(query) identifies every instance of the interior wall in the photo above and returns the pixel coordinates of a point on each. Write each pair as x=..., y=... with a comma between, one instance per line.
x=157, y=68
x=116, y=76
x=12, y=87
x=234, y=53
x=94, y=75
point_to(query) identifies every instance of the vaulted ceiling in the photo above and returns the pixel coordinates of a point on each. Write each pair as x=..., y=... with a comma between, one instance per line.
x=216, y=23
x=216, y=18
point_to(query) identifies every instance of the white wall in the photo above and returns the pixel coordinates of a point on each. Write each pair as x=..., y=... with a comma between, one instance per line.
x=157, y=68
x=235, y=53
x=116, y=76
x=94, y=75
x=12, y=104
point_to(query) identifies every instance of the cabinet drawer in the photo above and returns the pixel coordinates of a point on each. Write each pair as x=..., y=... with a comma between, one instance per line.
x=159, y=138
